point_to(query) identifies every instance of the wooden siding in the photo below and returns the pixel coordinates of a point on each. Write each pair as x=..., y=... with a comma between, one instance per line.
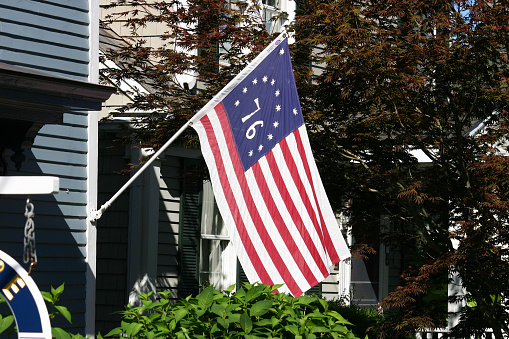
x=112, y=236
x=53, y=37
x=50, y=36
x=167, y=254
x=60, y=219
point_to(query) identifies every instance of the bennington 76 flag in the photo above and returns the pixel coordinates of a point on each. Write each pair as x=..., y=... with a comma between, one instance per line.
x=264, y=177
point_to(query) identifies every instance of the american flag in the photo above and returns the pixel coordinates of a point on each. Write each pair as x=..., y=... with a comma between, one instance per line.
x=264, y=177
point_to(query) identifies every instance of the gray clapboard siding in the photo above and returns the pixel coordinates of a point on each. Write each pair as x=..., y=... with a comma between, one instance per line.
x=112, y=235
x=76, y=119
x=55, y=142
x=68, y=131
x=169, y=204
x=17, y=220
x=45, y=236
x=54, y=40
x=52, y=35
x=70, y=171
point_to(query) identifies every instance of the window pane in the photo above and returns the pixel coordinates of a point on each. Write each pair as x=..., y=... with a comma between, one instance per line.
x=211, y=221
x=218, y=264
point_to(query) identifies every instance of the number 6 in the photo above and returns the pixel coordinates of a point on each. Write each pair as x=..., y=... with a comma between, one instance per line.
x=251, y=131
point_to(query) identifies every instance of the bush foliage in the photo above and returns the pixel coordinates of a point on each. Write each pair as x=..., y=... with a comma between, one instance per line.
x=254, y=311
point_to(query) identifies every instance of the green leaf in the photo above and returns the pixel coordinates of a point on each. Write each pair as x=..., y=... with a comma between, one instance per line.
x=181, y=313
x=205, y=298
x=58, y=291
x=219, y=309
x=6, y=322
x=59, y=333
x=319, y=329
x=316, y=315
x=324, y=303
x=260, y=308
x=65, y=312
x=340, y=329
x=114, y=331
x=293, y=329
x=47, y=296
x=222, y=322
x=254, y=292
x=339, y=317
x=230, y=289
x=245, y=322
x=264, y=322
x=133, y=329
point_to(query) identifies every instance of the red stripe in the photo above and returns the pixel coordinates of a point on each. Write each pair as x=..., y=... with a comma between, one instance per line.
x=290, y=206
x=234, y=209
x=281, y=226
x=297, y=179
x=331, y=250
x=257, y=221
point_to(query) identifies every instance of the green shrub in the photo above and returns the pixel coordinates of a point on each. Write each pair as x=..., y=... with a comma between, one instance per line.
x=255, y=311
x=366, y=320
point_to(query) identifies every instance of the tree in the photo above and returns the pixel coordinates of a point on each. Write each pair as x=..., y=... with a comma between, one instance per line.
x=208, y=39
x=398, y=78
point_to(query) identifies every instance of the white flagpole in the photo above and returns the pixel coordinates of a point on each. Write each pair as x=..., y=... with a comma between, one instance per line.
x=97, y=214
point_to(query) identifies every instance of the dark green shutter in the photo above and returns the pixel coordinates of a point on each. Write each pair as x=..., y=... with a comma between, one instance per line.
x=317, y=289
x=241, y=275
x=189, y=234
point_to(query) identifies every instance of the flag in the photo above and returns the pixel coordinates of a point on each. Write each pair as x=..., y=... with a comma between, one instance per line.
x=265, y=181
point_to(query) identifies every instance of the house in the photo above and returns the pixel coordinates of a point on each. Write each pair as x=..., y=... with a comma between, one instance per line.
x=49, y=98
x=149, y=240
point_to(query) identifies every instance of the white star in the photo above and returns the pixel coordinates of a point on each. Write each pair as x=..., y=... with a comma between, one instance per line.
x=237, y=103
x=278, y=108
x=275, y=124
x=281, y=51
x=277, y=93
x=250, y=153
x=244, y=90
x=260, y=148
x=295, y=111
x=255, y=81
x=269, y=136
x=265, y=79
x=272, y=82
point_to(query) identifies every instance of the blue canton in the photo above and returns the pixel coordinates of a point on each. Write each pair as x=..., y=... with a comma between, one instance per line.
x=264, y=108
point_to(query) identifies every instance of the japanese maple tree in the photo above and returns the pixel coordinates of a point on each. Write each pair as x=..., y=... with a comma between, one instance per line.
x=208, y=41
x=398, y=80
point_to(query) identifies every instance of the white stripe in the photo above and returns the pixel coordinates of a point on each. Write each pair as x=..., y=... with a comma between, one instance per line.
x=280, y=204
x=276, y=238
x=308, y=188
x=239, y=198
x=328, y=215
x=298, y=201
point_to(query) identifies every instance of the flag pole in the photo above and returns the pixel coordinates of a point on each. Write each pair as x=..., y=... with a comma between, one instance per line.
x=97, y=214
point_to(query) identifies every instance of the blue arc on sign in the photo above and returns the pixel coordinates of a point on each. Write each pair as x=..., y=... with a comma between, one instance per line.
x=24, y=299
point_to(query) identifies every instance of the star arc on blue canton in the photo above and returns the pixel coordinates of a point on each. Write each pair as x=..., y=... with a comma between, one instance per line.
x=264, y=108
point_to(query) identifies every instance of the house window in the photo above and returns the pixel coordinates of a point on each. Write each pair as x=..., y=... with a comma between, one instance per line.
x=206, y=254
x=218, y=262
x=272, y=15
